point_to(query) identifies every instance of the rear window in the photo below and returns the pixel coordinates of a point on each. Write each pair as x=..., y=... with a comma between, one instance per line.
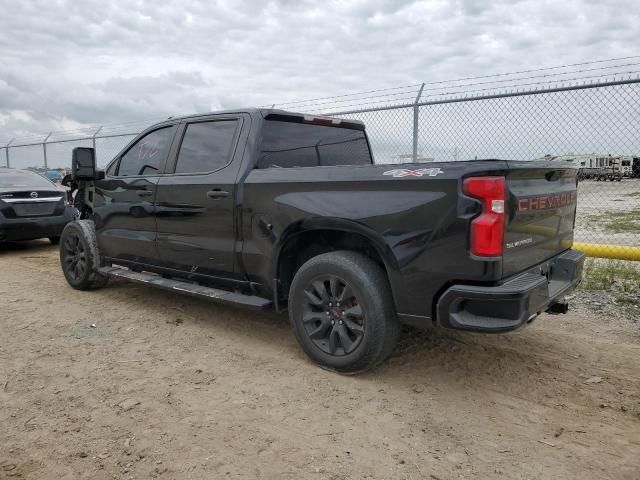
x=287, y=144
x=23, y=180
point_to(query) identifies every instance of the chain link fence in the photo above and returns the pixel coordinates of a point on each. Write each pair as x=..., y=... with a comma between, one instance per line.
x=52, y=151
x=594, y=126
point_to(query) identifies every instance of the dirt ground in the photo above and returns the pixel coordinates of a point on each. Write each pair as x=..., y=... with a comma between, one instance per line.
x=128, y=382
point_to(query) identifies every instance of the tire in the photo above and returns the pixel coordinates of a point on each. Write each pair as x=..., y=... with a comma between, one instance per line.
x=54, y=240
x=342, y=312
x=79, y=256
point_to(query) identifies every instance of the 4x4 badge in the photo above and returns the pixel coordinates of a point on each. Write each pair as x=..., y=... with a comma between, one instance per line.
x=419, y=172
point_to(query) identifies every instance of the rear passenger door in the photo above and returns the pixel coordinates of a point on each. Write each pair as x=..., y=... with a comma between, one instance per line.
x=195, y=202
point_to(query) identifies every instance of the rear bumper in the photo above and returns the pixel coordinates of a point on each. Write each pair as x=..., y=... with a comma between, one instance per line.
x=515, y=301
x=29, y=228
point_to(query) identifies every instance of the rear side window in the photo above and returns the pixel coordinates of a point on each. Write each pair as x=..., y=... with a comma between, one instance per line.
x=145, y=157
x=288, y=144
x=206, y=146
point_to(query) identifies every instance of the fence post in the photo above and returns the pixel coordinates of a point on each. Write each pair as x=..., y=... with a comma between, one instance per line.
x=415, y=124
x=6, y=152
x=93, y=142
x=44, y=150
x=93, y=138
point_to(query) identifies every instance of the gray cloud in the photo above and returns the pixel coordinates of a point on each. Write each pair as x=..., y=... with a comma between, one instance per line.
x=66, y=64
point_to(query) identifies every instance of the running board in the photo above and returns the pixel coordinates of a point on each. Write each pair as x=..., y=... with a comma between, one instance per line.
x=194, y=290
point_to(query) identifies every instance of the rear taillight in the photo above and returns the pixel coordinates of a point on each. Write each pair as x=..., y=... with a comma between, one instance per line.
x=487, y=230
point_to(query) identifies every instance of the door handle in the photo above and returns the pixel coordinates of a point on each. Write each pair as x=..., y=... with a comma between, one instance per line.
x=144, y=193
x=217, y=193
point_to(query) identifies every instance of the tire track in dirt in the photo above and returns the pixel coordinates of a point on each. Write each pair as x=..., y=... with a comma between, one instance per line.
x=223, y=390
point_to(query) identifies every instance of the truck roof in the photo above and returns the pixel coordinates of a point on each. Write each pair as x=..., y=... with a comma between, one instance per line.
x=283, y=115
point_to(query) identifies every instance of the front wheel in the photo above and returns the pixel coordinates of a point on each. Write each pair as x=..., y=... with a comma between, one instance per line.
x=342, y=312
x=79, y=256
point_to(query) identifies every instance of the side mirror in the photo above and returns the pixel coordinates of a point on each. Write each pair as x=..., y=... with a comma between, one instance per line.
x=83, y=164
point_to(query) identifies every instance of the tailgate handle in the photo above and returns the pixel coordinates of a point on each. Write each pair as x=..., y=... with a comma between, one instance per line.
x=144, y=193
x=217, y=193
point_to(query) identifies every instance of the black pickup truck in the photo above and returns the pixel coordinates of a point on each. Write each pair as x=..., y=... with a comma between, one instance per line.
x=272, y=209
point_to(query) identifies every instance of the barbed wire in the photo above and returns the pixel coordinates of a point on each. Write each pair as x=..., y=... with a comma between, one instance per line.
x=477, y=77
x=400, y=95
x=465, y=85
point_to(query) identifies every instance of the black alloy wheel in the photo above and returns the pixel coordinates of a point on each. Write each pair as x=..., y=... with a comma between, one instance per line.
x=332, y=317
x=341, y=311
x=74, y=257
x=79, y=256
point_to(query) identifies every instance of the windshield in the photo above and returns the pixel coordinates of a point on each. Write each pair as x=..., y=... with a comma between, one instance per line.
x=23, y=179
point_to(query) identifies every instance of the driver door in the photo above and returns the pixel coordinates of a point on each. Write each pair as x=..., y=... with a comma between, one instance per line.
x=124, y=210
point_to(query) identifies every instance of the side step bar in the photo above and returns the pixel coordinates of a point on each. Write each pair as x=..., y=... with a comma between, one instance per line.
x=194, y=290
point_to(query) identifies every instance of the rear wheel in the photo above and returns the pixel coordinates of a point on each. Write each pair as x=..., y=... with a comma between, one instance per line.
x=79, y=256
x=342, y=313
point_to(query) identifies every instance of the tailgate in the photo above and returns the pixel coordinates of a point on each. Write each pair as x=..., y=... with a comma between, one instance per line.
x=541, y=199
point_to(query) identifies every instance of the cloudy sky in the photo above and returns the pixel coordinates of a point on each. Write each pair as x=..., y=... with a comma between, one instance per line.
x=65, y=64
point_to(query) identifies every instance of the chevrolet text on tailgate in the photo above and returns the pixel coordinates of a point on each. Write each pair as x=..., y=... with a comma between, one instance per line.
x=272, y=209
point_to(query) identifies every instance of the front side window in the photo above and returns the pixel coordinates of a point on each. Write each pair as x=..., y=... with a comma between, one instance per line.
x=289, y=144
x=206, y=146
x=146, y=155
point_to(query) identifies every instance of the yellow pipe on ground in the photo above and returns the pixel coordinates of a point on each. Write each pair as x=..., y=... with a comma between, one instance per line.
x=601, y=250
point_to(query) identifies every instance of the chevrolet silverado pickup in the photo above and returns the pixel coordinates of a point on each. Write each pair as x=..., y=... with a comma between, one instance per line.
x=264, y=208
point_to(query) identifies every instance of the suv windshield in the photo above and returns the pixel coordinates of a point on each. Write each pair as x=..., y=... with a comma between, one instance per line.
x=23, y=179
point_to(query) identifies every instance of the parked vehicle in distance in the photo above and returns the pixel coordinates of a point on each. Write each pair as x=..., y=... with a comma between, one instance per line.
x=273, y=209
x=54, y=175
x=626, y=166
x=607, y=173
x=31, y=207
x=635, y=167
x=598, y=167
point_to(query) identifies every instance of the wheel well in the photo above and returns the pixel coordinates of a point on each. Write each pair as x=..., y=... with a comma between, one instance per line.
x=312, y=243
